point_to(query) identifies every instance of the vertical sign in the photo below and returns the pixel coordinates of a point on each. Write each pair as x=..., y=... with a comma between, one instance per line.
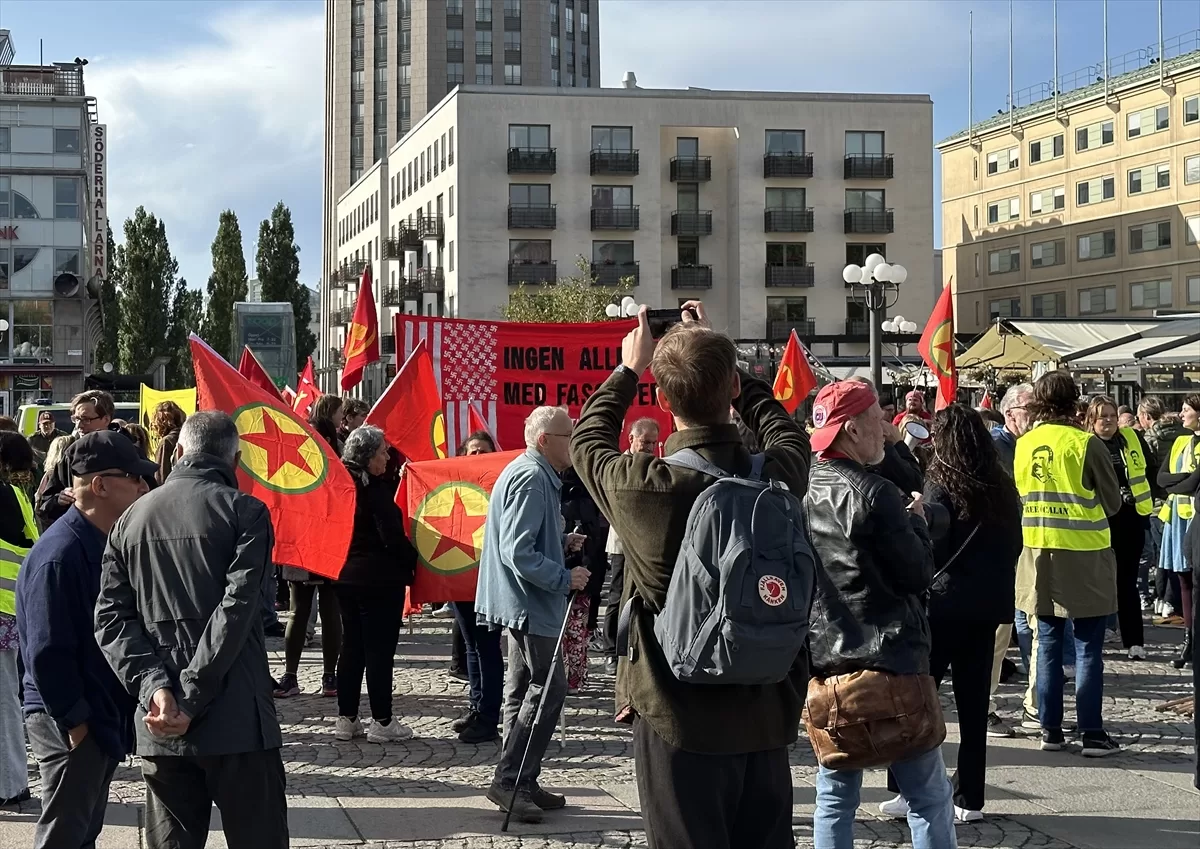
x=99, y=147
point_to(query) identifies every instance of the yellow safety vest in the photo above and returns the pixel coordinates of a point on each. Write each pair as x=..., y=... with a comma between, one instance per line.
x=1135, y=470
x=1182, y=461
x=1058, y=512
x=12, y=555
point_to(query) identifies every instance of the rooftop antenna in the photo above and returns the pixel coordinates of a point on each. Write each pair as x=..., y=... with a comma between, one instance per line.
x=1106, y=74
x=1162, y=68
x=1055, y=81
x=1011, y=104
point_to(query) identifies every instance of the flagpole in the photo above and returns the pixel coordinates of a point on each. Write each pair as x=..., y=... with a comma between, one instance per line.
x=1011, y=105
x=1054, y=82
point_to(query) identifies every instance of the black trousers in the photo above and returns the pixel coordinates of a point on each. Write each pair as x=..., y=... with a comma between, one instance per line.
x=370, y=628
x=74, y=785
x=248, y=790
x=695, y=801
x=612, y=608
x=1125, y=540
x=297, y=627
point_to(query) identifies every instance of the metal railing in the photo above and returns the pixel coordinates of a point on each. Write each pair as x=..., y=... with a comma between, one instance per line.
x=532, y=273
x=790, y=275
x=868, y=166
x=532, y=160
x=691, y=277
x=869, y=221
x=615, y=218
x=778, y=329
x=611, y=274
x=691, y=169
x=532, y=216
x=691, y=222
x=788, y=165
x=432, y=280
x=614, y=161
x=788, y=220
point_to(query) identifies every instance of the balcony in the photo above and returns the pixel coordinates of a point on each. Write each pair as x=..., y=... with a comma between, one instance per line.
x=858, y=327
x=691, y=222
x=431, y=280
x=790, y=275
x=691, y=277
x=393, y=295
x=615, y=218
x=410, y=239
x=532, y=273
x=388, y=343
x=532, y=160
x=410, y=289
x=336, y=358
x=868, y=166
x=431, y=227
x=64, y=80
x=335, y=280
x=691, y=169
x=612, y=273
x=869, y=221
x=340, y=316
x=614, y=162
x=788, y=165
x=780, y=329
x=527, y=216
x=788, y=220
x=350, y=271
x=392, y=249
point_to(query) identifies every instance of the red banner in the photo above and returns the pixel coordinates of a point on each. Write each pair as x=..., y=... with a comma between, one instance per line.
x=509, y=368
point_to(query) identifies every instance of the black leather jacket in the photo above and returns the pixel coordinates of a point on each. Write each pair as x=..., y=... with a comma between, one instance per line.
x=876, y=564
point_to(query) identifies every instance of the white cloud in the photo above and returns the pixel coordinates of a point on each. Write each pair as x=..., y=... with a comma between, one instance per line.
x=232, y=122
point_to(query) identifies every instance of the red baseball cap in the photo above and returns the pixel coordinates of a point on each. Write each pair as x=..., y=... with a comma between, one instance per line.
x=835, y=404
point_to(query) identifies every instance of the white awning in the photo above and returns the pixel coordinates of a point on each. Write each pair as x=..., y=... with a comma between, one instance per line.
x=1165, y=343
x=1066, y=337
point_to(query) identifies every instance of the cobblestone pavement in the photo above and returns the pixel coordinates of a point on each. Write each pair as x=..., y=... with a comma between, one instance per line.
x=426, y=793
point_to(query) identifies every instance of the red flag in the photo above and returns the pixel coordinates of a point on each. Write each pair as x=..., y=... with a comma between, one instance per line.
x=476, y=423
x=937, y=348
x=445, y=506
x=307, y=393
x=362, y=338
x=409, y=412
x=795, y=378
x=284, y=464
x=986, y=403
x=250, y=368
x=288, y=394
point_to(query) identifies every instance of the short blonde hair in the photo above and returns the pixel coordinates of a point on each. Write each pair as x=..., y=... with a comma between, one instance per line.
x=57, y=449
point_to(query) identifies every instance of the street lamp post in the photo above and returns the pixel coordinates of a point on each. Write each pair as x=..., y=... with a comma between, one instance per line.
x=878, y=285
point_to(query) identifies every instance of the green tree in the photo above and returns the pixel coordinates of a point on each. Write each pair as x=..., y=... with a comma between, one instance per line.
x=572, y=299
x=187, y=307
x=226, y=284
x=110, y=309
x=148, y=272
x=278, y=267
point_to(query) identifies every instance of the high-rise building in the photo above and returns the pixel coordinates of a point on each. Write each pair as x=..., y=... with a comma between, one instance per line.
x=53, y=229
x=1081, y=203
x=389, y=62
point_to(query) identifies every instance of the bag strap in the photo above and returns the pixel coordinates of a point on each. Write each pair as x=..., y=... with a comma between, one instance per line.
x=954, y=556
x=689, y=458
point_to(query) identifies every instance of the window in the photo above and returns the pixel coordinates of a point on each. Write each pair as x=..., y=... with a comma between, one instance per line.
x=1191, y=170
x=1151, y=295
x=1004, y=260
x=5, y=195
x=787, y=309
x=32, y=330
x=569, y=17
x=529, y=136
x=512, y=74
x=1045, y=149
x=66, y=197
x=1003, y=160
x=1193, y=290
x=483, y=74
x=443, y=151
x=554, y=16
x=1191, y=110
x=583, y=23
x=3, y=268
x=451, y=208
x=785, y=142
x=687, y=148
x=856, y=254
x=1149, y=179
x=1148, y=121
x=608, y=197
x=785, y=199
x=454, y=73
x=512, y=8
x=537, y=194
x=1150, y=237
x=450, y=253
x=450, y=148
x=611, y=139
x=512, y=40
x=421, y=170
x=1095, y=191
x=483, y=43
x=66, y=141
x=1191, y=230
x=454, y=7
x=787, y=254
x=1046, y=254
x=689, y=251
x=66, y=261
x=436, y=159
x=1005, y=308
x=555, y=77
x=612, y=253
x=554, y=47
x=454, y=39
x=22, y=256
x=529, y=250
x=1098, y=245
x=1004, y=210
x=864, y=143
x=1047, y=199
x=687, y=197
x=483, y=12
x=5, y=146
x=1096, y=135
x=865, y=199
x=1050, y=305
x=1098, y=300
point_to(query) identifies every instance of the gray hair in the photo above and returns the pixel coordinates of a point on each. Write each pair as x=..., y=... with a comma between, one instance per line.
x=1152, y=406
x=1012, y=398
x=362, y=444
x=210, y=432
x=644, y=426
x=537, y=423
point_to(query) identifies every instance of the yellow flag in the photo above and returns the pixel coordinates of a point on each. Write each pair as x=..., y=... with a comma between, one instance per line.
x=151, y=398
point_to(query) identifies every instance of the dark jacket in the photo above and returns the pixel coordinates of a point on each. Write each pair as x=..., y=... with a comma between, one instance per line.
x=66, y=676
x=647, y=501
x=876, y=562
x=581, y=513
x=380, y=553
x=980, y=585
x=1160, y=436
x=901, y=468
x=57, y=479
x=166, y=455
x=40, y=442
x=179, y=608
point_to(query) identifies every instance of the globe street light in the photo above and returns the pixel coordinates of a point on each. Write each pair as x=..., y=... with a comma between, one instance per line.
x=877, y=284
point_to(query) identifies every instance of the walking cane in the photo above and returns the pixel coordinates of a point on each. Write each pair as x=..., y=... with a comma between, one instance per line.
x=538, y=715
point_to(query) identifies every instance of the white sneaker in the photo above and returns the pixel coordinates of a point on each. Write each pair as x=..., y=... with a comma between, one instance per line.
x=1137, y=653
x=895, y=808
x=444, y=612
x=389, y=733
x=1069, y=673
x=345, y=728
x=962, y=815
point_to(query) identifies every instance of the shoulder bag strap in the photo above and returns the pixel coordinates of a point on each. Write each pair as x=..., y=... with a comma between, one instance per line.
x=954, y=556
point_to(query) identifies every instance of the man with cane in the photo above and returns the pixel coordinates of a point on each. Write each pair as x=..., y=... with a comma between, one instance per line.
x=525, y=586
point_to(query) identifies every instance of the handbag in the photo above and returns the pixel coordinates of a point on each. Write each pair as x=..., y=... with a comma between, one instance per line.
x=954, y=556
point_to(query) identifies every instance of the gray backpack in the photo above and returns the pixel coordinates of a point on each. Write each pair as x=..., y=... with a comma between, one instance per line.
x=738, y=603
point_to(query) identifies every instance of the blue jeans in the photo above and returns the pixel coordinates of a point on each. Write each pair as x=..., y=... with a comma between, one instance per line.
x=922, y=780
x=1089, y=671
x=485, y=662
x=1025, y=640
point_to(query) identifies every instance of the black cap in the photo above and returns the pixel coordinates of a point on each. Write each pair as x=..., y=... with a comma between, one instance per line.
x=104, y=450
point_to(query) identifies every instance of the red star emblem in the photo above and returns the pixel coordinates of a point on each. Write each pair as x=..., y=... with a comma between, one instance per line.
x=456, y=530
x=280, y=446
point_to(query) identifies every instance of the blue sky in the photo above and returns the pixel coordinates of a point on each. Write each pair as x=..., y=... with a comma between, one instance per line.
x=219, y=104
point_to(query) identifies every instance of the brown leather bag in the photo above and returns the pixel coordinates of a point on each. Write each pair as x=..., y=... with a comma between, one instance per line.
x=870, y=718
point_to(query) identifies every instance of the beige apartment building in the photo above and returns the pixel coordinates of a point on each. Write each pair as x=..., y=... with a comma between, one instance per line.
x=753, y=201
x=1087, y=205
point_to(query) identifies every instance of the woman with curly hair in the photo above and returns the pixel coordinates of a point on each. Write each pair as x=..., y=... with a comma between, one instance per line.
x=976, y=509
x=165, y=424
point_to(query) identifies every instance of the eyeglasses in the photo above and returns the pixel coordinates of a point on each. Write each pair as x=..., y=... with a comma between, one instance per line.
x=126, y=475
x=564, y=435
x=82, y=419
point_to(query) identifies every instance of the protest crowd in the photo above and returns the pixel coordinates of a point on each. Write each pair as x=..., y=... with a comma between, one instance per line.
x=747, y=578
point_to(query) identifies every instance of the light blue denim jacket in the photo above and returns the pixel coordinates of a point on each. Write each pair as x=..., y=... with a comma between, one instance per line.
x=523, y=578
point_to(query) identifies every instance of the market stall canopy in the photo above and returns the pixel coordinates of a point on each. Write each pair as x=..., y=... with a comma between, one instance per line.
x=1002, y=349
x=1066, y=337
x=1168, y=342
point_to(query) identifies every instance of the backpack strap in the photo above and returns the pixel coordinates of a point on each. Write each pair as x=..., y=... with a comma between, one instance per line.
x=689, y=458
